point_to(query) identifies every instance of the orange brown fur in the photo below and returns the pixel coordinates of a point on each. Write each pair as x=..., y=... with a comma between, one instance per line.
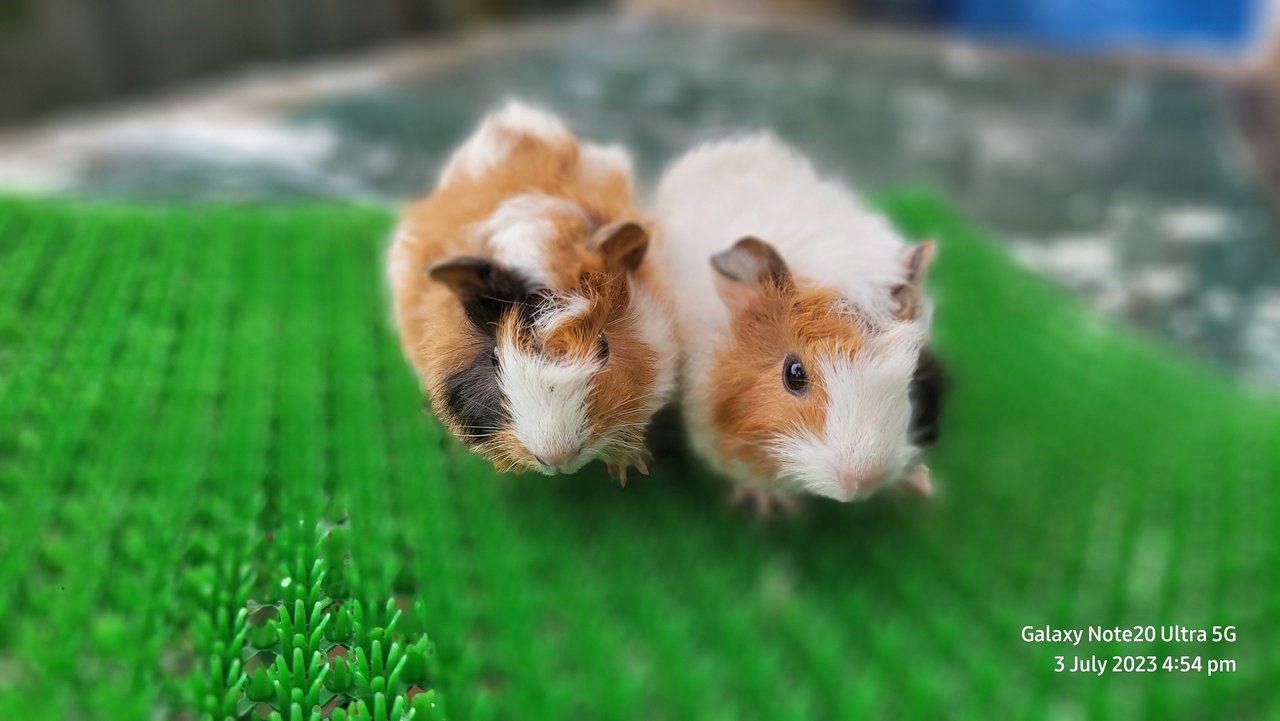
x=749, y=404
x=617, y=399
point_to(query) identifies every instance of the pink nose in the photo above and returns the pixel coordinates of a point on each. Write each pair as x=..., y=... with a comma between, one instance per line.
x=860, y=481
x=558, y=458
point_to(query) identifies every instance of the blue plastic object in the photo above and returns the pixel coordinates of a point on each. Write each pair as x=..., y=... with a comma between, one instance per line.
x=1218, y=25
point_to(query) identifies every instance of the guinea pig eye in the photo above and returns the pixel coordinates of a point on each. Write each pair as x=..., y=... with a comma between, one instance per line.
x=794, y=376
x=604, y=347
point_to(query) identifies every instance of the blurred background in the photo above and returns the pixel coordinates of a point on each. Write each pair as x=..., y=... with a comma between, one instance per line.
x=1125, y=148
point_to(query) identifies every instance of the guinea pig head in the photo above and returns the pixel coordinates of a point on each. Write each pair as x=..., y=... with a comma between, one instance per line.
x=809, y=389
x=552, y=378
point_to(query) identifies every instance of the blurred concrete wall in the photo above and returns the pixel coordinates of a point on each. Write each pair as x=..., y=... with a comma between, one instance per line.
x=60, y=53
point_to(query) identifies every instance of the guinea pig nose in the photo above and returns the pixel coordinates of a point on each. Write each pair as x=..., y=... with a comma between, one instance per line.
x=562, y=457
x=855, y=481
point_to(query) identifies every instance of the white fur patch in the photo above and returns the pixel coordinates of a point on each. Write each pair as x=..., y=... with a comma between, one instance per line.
x=568, y=307
x=547, y=403
x=496, y=137
x=757, y=186
x=399, y=257
x=483, y=151
x=604, y=162
x=868, y=417
x=519, y=230
x=533, y=121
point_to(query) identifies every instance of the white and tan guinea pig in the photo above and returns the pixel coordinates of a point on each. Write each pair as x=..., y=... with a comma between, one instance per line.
x=802, y=323
x=528, y=301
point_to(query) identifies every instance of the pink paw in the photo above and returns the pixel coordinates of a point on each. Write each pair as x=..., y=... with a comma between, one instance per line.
x=619, y=470
x=764, y=501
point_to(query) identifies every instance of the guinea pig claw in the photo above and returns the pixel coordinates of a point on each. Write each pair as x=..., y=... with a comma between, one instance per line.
x=918, y=481
x=619, y=471
x=643, y=467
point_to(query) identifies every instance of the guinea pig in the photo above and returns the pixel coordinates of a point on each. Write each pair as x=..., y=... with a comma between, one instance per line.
x=528, y=301
x=803, y=327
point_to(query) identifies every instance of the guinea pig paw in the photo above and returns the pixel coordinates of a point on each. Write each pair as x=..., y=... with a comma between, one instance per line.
x=619, y=470
x=764, y=501
x=918, y=481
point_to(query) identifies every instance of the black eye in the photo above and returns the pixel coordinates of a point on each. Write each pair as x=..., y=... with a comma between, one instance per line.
x=794, y=376
x=604, y=347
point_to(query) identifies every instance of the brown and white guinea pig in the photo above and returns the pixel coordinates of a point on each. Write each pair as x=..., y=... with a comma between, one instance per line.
x=802, y=323
x=528, y=300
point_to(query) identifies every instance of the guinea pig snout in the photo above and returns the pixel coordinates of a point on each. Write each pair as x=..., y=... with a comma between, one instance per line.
x=860, y=481
x=558, y=457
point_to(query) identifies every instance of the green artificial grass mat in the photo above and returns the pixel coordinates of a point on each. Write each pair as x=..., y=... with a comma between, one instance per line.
x=215, y=469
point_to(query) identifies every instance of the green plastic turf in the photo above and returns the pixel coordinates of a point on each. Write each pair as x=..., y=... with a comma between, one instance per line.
x=202, y=410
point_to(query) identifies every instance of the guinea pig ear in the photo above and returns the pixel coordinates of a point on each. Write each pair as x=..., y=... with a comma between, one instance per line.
x=465, y=275
x=910, y=294
x=743, y=271
x=622, y=245
x=487, y=291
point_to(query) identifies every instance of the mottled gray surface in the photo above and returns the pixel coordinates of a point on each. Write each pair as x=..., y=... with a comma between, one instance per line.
x=1122, y=183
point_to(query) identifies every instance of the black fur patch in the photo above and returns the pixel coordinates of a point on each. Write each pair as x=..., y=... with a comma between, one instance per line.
x=474, y=398
x=503, y=290
x=473, y=395
x=927, y=391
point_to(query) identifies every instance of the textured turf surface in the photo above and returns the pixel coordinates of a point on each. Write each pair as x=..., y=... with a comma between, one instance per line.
x=202, y=410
